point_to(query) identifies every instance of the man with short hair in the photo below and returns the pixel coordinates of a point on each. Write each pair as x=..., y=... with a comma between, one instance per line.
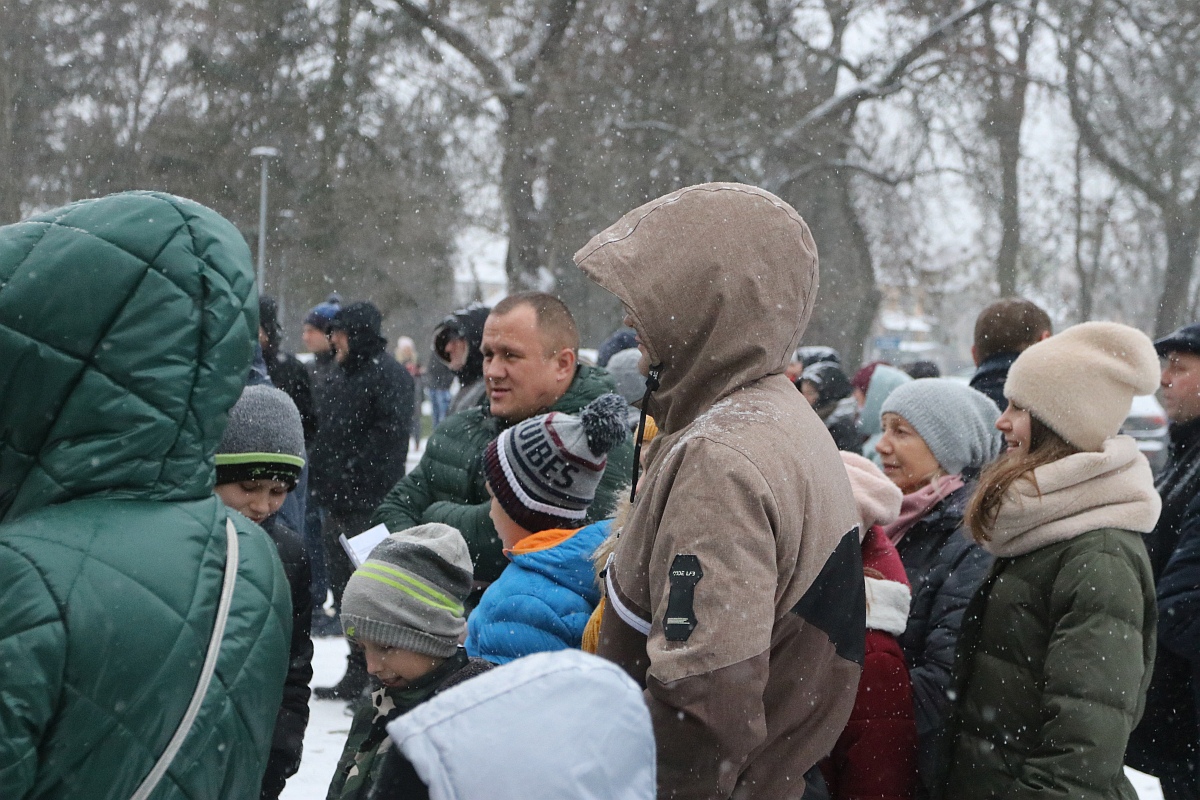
x=1165, y=743
x=735, y=593
x=530, y=365
x=1003, y=331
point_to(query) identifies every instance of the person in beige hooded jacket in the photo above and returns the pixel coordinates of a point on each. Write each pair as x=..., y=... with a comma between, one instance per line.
x=736, y=588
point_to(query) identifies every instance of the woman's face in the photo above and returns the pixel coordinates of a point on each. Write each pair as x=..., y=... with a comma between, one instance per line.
x=1014, y=423
x=907, y=461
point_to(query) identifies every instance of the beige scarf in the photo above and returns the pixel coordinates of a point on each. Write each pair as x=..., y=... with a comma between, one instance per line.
x=1082, y=492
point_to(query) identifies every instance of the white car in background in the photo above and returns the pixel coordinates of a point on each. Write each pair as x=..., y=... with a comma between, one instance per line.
x=1147, y=422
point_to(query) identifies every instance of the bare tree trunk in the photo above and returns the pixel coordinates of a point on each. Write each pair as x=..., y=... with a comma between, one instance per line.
x=1182, y=238
x=527, y=230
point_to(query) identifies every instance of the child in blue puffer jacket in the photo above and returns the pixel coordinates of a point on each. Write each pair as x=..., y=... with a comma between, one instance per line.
x=542, y=474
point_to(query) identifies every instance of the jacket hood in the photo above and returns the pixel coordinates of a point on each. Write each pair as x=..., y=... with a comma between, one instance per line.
x=466, y=323
x=884, y=381
x=573, y=726
x=127, y=325
x=362, y=323
x=719, y=280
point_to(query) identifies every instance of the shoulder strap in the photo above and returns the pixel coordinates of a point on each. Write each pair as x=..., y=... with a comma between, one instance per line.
x=210, y=665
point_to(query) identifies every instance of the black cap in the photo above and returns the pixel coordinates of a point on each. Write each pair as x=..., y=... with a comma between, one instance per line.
x=1184, y=340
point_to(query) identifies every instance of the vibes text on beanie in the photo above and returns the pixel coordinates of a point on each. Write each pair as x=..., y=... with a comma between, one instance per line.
x=1081, y=382
x=544, y=471
x=410, y=591
x=264, y=439
x=957, y=423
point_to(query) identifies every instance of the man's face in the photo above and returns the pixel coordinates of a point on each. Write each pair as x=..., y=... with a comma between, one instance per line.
x=524, y=377
x=1181, y=386
x=315, y=339
x=644, y=361
x=457, y=350
x=341, y=345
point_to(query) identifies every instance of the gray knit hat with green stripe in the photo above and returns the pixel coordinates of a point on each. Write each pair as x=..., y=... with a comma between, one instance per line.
x=263, y=440
x=409, y=593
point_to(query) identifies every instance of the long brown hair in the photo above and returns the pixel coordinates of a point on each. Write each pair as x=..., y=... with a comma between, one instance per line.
x=1045, y=447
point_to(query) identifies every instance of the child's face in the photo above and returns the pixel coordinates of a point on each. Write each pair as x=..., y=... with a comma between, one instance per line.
x=394, y=667
x=256, y=499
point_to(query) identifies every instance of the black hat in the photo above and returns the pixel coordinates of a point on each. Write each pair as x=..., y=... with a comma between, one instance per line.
x=1184, y=340
x=816, y=354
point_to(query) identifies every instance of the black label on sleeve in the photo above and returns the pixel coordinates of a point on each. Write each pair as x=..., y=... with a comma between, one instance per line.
x=681, y=615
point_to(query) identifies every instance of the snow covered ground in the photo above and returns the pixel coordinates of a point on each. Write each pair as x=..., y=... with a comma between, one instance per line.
x=329, y=724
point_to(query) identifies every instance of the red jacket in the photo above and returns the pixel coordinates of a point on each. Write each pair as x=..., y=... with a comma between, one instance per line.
x=876, y=755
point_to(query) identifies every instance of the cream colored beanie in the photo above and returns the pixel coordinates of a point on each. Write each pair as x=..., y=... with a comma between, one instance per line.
x=1082, y=381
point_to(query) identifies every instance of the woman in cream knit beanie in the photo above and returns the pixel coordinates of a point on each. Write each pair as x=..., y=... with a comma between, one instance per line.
x=1057, y=644
x=1082, y=381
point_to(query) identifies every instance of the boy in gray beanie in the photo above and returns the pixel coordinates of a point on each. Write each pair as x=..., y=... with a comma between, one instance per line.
x=542, y=474
x=404, y=608
x=258, y=461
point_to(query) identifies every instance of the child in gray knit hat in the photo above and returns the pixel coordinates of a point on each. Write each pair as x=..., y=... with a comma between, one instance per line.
x=258, y=461
x=405, y=608
x=542, y=474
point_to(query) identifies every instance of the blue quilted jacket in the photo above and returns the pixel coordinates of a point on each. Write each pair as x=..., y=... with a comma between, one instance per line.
x=543, y=599
x=126, y=326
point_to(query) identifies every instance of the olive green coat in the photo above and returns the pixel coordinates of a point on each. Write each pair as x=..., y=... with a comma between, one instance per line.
x=126, y=326
x=1056, y=652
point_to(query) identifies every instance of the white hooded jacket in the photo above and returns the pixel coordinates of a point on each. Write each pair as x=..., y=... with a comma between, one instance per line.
x=564, y=724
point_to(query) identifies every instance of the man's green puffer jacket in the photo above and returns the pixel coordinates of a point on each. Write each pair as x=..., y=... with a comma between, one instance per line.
x=126, y=327
x=449, y=486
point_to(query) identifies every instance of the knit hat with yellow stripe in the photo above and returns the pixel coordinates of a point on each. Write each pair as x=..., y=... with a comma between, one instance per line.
x=409, y=593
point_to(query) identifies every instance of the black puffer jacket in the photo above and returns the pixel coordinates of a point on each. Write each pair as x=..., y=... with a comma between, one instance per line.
x=1166, y=739
x=284, y=369
x=287, y=745
x=990, y=376
x=945, y=568
x=362, y=442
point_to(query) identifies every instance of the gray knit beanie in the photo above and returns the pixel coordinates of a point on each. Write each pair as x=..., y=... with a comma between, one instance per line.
x=410, y=591
x=957, y=423
x=263, y=440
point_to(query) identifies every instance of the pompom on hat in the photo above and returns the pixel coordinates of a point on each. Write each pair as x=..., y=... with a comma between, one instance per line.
x=544, y=471
x=1081, y=382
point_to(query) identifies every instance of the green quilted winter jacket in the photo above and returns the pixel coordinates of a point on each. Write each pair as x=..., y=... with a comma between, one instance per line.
x=449, y=485
x=1055, y=655
x=125, y=337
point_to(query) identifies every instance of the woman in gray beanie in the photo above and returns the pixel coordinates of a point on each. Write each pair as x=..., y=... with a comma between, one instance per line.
x=936, y=435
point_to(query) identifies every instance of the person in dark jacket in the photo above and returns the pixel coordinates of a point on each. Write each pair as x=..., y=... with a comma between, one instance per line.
x=828, y=391
x=284, y=369
x=1057, y=645
x=361, y=446
x=438, y=380
x=404, y=609
x=258, y=462
x=936, y=433
x=622, y=338
x=1002, y=331
x=1165, y=744
x=315, y=334
x=456, y=342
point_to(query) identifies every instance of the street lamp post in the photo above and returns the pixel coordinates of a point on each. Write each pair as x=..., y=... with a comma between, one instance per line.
x=264, y=153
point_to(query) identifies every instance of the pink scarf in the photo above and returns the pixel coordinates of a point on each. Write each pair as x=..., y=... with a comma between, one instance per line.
x=919, y=503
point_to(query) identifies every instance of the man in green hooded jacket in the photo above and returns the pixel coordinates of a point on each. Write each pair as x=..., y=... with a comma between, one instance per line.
x=126, y=328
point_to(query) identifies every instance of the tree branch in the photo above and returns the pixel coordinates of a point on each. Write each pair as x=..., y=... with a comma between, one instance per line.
x=886, y=84
x=489, y=69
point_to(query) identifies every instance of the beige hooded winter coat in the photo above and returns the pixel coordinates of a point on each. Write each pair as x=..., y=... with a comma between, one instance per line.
x=736, y=590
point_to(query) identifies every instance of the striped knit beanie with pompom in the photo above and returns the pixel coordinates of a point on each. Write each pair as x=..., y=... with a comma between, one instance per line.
x=544, y=471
